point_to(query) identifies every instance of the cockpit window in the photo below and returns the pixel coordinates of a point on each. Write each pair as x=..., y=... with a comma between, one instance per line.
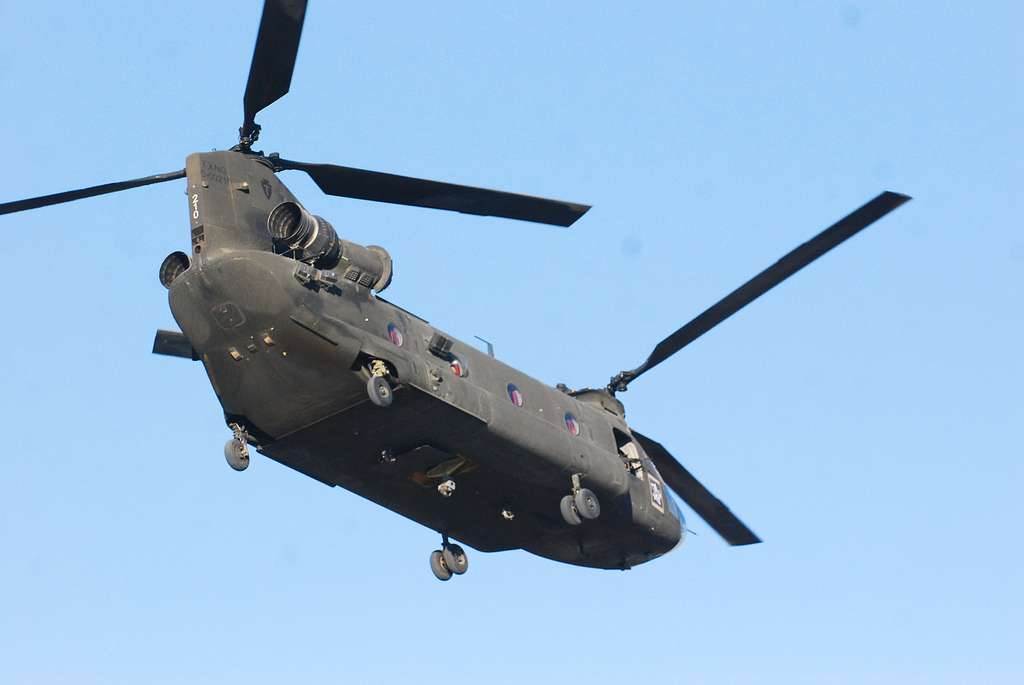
x=629, y=453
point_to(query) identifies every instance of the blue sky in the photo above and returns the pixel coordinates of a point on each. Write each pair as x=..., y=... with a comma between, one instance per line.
x=864, y=418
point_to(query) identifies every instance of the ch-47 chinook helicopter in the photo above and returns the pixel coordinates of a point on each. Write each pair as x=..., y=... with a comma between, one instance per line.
x=319, y=373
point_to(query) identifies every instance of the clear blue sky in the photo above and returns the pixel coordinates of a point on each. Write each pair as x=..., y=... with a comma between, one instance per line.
x=864, y=418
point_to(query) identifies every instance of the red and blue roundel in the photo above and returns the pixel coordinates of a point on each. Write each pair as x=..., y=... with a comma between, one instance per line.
x=458, y=368
x=395, y=335
x=515, y=395
x=571, y=424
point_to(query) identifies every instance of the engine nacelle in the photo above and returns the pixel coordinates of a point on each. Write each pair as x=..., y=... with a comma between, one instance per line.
x=312, y=239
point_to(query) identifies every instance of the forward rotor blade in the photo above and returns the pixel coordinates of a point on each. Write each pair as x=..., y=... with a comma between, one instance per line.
x=788, y=265
x=417, y=192
x=698, y=497
x=273, y=59
x=69, y=195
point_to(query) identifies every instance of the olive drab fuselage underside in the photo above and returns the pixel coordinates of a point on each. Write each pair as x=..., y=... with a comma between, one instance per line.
x=287, y=355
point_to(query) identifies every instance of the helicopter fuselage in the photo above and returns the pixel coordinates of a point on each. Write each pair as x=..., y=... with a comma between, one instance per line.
x=318, y=372
x=469, y=446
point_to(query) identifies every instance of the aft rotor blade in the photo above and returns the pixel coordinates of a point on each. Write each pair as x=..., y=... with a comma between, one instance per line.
x=273, y=59
x=698, y=497
x=69, y=195
x=417, y=192
x=788, y=265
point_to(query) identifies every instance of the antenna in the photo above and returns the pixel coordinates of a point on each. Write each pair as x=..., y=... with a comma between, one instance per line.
x=490, y=347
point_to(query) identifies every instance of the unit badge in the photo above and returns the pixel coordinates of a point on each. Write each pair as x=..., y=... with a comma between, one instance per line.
x=657, y=494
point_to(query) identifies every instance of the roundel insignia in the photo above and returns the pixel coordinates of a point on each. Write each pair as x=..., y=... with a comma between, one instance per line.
x=572, y=424
x=395, y=335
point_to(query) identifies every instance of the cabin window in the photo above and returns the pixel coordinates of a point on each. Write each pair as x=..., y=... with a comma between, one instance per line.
x=395, y=335
x=515, y=395
x=572, y=424
x=458, y=368
x=629, y=453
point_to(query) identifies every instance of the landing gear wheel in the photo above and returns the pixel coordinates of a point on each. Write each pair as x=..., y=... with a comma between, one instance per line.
x=455, y=559
x=586, y=504
x=237, y=454
x=379, y=391
x=437, y=565
x=568, y=510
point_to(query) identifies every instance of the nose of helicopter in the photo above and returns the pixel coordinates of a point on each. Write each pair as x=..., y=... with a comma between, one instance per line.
x=674, y=508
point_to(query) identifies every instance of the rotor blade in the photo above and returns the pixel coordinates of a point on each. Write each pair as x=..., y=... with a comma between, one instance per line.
x=273, y=58
x=404, y=190
x=700, y=499
x=788, y=265
x=69, y=195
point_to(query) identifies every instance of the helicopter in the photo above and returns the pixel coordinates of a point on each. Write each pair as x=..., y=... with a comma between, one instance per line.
x=316, y=370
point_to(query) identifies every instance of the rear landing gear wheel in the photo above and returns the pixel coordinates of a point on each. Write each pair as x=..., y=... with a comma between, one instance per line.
x=455, y=559
x=379, y=391
x=437, y=565
x=586, y=504
x=568, y=509
x=237, y=454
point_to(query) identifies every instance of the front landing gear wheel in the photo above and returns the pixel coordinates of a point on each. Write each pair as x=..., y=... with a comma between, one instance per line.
x=586, y=504
x=237, y=454
x=455, y=559
x=379, y=391
x=568, y=510
x=437, y=565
